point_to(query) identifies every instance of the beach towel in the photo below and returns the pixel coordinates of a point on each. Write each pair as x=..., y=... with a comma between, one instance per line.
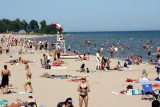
x=58, y=67
x=60, y=76
x=74, y=80
x=24, y=92
x=113, y=68
x=113, y=92
x=156, y=85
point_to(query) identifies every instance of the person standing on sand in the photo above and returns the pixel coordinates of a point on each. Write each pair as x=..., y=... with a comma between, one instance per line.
x=83, y=89
x=97, y=60
x=28, y=81
x=5, y=79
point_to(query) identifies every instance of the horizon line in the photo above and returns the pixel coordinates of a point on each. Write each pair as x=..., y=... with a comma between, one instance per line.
x=117, y=31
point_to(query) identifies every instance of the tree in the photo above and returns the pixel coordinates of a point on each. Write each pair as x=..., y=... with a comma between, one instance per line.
x=5, y=23
x=34, y=25
x=43, y=24
x=16, y=25
x=25, y=26
x=51, y=29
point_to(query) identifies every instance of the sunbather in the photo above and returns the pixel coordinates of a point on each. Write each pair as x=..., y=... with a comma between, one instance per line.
x=31, y=102
x=67, y=103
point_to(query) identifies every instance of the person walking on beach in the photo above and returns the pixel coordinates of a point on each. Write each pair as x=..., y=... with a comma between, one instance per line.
x=5, y=79
x=83, y=89
x=28, y=81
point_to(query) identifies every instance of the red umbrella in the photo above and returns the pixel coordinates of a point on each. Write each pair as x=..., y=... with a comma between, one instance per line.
x=58, y=26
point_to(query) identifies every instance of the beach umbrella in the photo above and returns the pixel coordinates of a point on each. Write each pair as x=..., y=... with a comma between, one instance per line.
x=58, y=26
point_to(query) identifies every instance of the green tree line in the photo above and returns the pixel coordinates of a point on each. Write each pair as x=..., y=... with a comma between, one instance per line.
x=14, y=26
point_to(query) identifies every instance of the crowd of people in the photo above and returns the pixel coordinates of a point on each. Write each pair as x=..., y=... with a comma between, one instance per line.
x=55, y=52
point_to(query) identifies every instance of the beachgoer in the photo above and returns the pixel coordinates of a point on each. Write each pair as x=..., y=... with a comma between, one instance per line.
x=5, y=79
x=28, y=77
x=85, y=57
x=158, y=66
x=1, y=49
x=119, y=67
x=87, y=69
x=125, y=64
x=82, y=69
x=116, y=50
x=155, y=103
x=111, y=51
x=54, y=55
x=36, y=45
x=7, y=49
x=144, y=76
x=58, y=51
x=107, y=65
x=101, y=50
x=20, y=52
x=83, y=89
x=30, y=45
x=102, y=63
x=67, y=103
x=158, y=52
x=69, y=49
x=31, y=102
x=97, y=60
x=149, y=52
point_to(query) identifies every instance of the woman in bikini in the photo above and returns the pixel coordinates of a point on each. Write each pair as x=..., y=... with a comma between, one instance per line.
x=28, y=81
x=5, y=79
x=83, y=89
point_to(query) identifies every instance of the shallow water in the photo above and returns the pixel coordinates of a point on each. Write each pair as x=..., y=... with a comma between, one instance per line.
x=135, y=39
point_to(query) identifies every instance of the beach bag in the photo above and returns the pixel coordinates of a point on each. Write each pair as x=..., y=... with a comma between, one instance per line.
x=135, y=92
x=3, y=102
x=129, y=80
x=60, y=104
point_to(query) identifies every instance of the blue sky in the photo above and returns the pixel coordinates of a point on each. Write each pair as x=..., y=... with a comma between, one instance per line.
x=87, y=15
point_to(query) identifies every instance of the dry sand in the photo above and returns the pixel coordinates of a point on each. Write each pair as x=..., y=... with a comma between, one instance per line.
x=51, y=91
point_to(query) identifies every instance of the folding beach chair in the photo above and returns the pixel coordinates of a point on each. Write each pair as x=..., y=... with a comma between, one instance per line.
x=147, y=92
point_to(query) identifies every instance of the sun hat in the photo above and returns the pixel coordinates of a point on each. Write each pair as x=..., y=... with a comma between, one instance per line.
x=69, y=100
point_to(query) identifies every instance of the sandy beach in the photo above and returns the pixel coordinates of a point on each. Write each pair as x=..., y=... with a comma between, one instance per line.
x=49, y=91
